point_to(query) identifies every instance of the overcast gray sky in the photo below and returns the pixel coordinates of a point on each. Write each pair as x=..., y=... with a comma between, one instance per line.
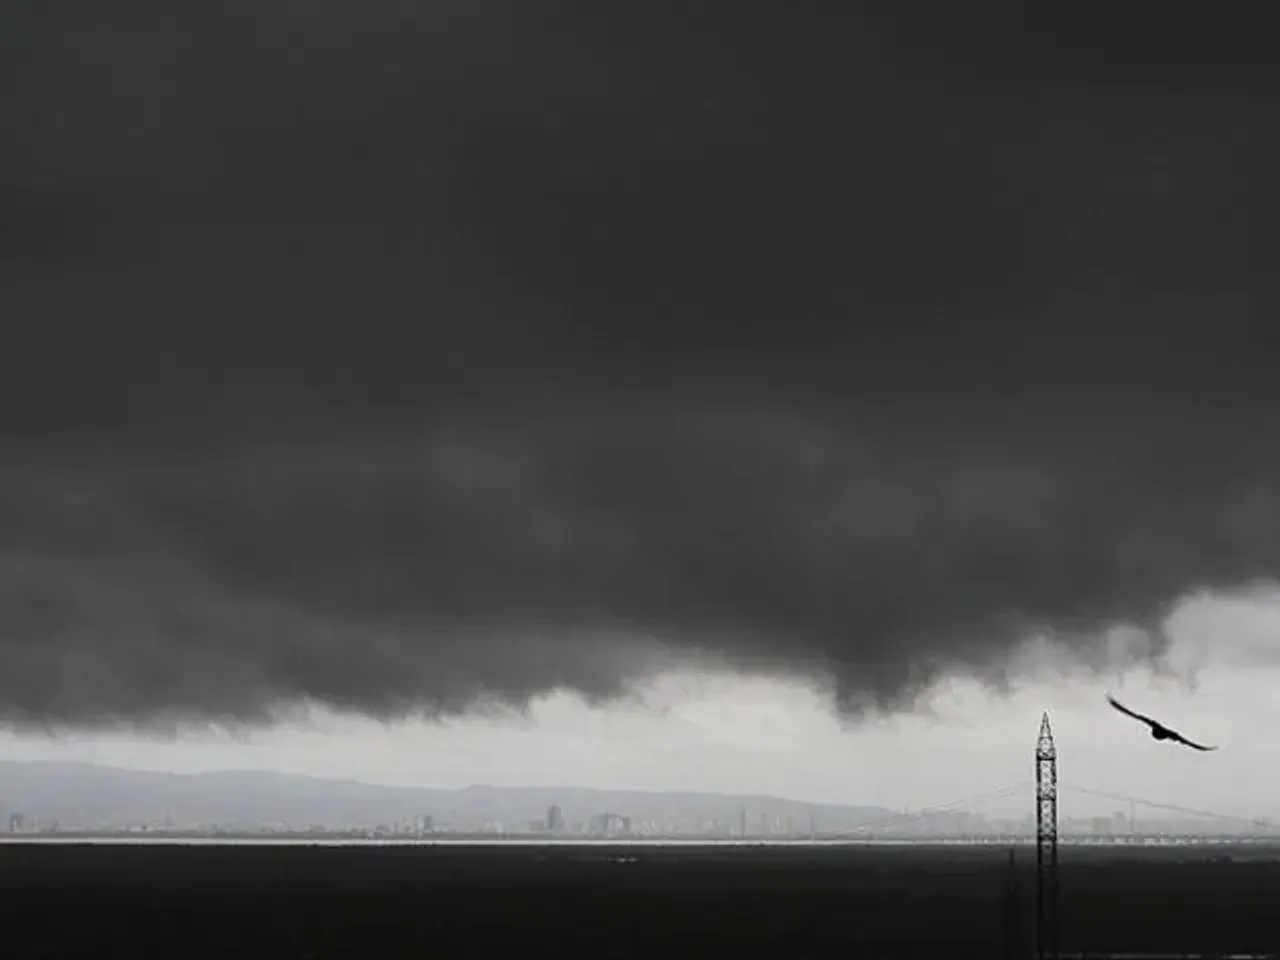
x=405, y=357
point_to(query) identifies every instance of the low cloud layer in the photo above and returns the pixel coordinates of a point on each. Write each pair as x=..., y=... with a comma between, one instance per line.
x=438, y=569
x=439, y=354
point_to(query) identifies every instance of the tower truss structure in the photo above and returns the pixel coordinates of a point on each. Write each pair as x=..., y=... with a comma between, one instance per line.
x=1046, y=843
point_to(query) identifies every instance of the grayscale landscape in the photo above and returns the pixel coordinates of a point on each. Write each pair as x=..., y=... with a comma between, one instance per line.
x=607, y=479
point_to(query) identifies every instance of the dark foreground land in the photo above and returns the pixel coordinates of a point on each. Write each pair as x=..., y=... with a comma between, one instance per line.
x=605, y=901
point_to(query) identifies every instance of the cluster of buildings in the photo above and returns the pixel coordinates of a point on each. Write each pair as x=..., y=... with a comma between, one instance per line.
x=597, y=825
x=947, y=823
x=618, y=825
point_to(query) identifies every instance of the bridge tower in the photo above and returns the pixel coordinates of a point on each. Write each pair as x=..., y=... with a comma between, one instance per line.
x=1046, y=843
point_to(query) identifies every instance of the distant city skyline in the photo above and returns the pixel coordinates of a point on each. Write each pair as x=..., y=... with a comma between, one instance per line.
x=52, y=800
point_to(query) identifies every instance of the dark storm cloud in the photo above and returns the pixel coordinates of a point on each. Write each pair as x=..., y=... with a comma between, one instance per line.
x=412, y=355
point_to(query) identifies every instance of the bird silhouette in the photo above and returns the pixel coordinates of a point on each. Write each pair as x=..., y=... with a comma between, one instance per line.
x=1158, y=730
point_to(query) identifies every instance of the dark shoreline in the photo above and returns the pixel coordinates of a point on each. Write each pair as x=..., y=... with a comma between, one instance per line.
x=620, y=900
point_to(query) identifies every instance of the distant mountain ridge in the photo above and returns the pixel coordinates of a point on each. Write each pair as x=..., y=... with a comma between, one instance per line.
x=89, y=795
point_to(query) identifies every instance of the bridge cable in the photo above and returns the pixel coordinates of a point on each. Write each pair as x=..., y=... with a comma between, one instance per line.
x=1169, y=806
x=942, y=808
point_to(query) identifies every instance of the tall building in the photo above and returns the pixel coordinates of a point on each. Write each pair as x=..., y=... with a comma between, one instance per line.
x=555, y=819
x=608, y=824
x=16, y=823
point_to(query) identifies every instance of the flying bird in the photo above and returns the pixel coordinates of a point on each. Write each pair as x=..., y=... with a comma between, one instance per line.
x=1158, y=730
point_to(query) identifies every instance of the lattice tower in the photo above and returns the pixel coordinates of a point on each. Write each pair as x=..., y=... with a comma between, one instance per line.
x=1046, y=843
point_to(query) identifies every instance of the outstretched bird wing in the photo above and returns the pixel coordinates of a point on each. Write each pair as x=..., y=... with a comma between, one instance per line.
x=1131, y=713
x=1190, y=743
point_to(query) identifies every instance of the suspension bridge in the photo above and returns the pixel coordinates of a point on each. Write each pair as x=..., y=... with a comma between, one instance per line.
x=986, y=818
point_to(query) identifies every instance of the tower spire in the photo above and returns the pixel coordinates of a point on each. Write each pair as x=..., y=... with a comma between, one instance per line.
x=1046, y=842
x=1044, y=743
